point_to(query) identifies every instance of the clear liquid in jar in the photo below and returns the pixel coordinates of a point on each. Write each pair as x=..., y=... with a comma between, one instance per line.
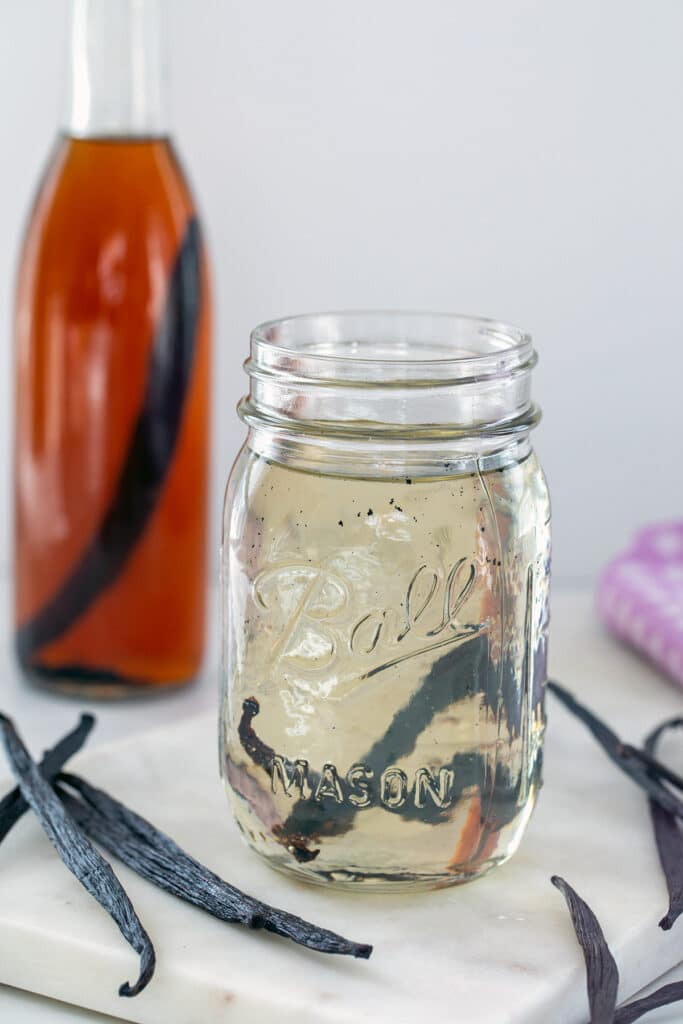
x=384, y=669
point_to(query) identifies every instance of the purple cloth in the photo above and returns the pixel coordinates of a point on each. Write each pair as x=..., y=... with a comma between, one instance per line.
x=640, y=596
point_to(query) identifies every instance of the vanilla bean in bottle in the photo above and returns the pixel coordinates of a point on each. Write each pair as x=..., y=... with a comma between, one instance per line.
x=112, y=340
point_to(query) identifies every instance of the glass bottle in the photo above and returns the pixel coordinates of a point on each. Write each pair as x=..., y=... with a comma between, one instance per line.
x=112, y=339
x=385, y=574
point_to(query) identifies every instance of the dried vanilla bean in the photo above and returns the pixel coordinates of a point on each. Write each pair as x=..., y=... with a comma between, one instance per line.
x=13, y=805
x=669, y=838
x=663, y=996
x=78, y=854
x=602, y=975
x=156, y=857
x=659, y=770
x=647, y=775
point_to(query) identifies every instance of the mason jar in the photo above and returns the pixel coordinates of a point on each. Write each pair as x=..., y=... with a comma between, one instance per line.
x=385, y=572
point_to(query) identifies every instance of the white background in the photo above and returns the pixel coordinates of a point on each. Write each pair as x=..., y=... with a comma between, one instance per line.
x=522, y=160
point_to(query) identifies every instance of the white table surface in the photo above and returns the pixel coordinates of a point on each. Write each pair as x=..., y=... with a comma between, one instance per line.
x=43, y=717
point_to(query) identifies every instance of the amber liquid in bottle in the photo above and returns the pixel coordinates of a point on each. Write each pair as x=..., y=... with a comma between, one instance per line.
x=111, y=421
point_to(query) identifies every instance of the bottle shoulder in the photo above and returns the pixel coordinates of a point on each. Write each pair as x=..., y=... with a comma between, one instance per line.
x=105, y=205
x=112, y=184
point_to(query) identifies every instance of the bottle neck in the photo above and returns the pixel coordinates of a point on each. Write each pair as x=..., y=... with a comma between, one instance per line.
x=117, y=73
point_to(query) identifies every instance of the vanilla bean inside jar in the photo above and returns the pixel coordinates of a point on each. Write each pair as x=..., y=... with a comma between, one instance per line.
x=385, y=571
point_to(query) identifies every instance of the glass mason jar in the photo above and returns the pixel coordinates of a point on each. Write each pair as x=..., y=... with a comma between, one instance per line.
x=385, y=571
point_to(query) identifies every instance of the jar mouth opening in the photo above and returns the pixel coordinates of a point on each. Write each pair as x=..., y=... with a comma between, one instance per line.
x=382, y=347
x=391, y=375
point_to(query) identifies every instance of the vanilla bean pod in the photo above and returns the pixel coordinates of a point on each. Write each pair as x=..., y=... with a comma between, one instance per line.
x=659, y=770
x=78, y=854
x=647, y=775
x=636, y=1009
x=156, y=857
x=668, y=837
x=602, y=975
x=13, y=805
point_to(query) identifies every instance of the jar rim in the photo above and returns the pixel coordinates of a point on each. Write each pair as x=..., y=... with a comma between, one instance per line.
x=382, y=346
x=399, y=376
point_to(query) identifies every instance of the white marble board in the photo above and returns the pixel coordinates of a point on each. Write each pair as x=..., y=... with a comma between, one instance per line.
x=498, y=951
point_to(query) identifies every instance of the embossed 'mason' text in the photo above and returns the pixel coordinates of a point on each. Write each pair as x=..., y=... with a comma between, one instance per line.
x=360, y=787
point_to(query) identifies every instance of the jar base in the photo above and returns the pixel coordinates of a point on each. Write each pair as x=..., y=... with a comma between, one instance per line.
x=104, y=687
x=369, y=881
